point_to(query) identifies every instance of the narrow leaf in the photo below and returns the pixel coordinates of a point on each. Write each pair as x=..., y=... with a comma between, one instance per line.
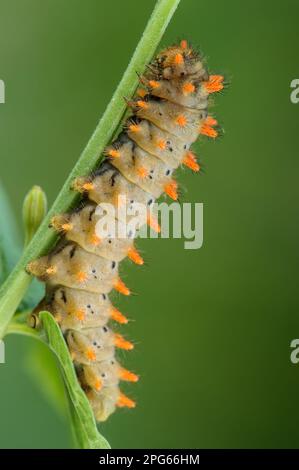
x=84, y=422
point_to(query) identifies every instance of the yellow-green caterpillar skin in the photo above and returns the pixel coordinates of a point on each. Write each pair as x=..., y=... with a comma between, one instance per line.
x=169, y=113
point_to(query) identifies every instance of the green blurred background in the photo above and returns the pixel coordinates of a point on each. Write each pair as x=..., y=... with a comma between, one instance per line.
x=213, y=326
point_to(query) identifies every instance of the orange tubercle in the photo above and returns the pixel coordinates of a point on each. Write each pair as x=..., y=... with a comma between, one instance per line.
x=81, y=276
x=125, y=374
x=178, y=59
x=94, y=239
x=98, y=385
x=135, y=256
x=124, y=401
x=214, y=84
x=116, y=315
x=171, y=190
x=190, y=161
x=153, y=223
x=142, y=172
x=90, y=354
x=208, y=131
x=51, y=270
x=154, y=84
x=181, y=120
x=162, y=144
x=67, y=227
x=210, y=121
x=134, y=128
x=188, y=87
x=114, y=153
x=120, y=286
x=122, y=343
x=184, y=44
x=80, y=314
x=88, y=186
x=142, y=104
x=141, y=92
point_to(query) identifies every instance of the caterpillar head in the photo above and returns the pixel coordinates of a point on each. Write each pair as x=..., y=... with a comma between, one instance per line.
x=179, y=61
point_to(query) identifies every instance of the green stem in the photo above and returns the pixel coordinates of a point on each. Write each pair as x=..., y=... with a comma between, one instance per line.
x=13, y=290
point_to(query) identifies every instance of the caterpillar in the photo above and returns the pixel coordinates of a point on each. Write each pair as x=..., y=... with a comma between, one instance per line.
x=169, y=112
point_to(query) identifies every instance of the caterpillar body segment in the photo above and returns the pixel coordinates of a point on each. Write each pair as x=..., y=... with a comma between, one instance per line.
x=169, y=114
x=183, y=122
x=74, y=312
x=81, y=227
x=73, y=267
x=187, y=93
x=106, y=374
x=109, y=186
x=141, y=168
x=161, y=144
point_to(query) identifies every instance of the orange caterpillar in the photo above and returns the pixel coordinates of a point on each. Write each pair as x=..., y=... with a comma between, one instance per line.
x=169, y=113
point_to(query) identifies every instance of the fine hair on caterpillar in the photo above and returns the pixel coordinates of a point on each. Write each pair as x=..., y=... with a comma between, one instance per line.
x=169, y=113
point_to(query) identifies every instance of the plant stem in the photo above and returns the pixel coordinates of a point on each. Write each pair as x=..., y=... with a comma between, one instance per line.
x=13, y=290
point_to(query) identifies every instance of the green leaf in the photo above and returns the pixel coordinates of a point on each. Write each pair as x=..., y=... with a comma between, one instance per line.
x=84, y=424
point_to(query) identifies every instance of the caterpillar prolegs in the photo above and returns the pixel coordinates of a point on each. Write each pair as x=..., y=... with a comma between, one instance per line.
x=169, y=112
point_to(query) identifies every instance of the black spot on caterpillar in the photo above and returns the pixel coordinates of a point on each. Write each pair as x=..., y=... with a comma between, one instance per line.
x=169, y=113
